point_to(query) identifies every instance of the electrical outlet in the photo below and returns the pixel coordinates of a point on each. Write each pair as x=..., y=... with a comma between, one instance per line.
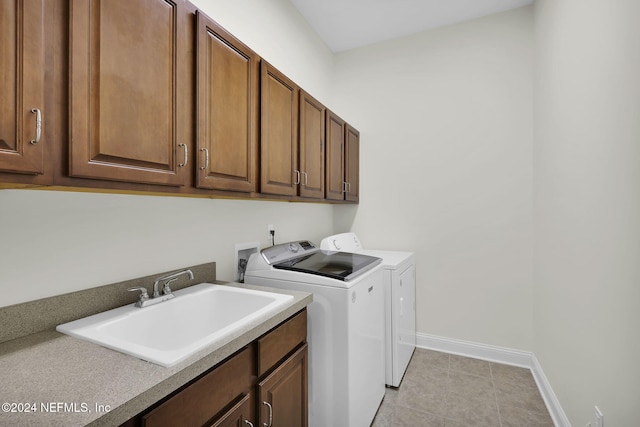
x=599, y=418
x=270, y=228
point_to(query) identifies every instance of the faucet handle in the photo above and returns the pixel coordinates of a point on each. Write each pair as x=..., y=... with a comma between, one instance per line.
x=143, y=292
x=166, y=290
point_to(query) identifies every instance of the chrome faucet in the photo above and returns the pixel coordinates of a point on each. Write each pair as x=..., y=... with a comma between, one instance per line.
x=166, y=290
x=167, y=294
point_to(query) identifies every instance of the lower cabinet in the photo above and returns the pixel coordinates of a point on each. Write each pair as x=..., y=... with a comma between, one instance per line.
x=210, y=395
x=264, y=384
x=238, y=416
x=283, y=394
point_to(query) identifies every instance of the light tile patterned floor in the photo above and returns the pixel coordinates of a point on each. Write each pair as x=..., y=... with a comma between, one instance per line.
x=445, y=390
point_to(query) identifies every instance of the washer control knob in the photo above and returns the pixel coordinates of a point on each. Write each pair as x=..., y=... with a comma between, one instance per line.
x=293, y=247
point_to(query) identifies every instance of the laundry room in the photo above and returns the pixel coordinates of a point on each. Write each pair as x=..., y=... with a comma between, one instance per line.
x=499, y=149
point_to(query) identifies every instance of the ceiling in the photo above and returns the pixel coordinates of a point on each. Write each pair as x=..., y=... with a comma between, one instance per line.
x=347, y=24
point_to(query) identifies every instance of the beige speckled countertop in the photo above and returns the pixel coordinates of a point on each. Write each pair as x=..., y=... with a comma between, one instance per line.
x=52, y=379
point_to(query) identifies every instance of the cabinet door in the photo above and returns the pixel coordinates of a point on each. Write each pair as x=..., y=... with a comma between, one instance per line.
x=312, y=140
x=22, y=69
x=227, y=91
x=335, y=180
x=283, y=394
x=279, y=133
x=208, y=396
x=240, y=415
x=127, y=65
x=278, y=343
x=352, y=164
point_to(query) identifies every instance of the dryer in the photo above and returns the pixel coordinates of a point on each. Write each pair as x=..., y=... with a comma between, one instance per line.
x=399, y=294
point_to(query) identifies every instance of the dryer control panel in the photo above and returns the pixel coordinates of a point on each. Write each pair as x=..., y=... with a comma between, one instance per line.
x=346, y=242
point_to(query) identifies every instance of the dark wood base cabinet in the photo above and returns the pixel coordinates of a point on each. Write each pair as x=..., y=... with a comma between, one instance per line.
x=239, y=415
x=263, y=384
x=283, y=394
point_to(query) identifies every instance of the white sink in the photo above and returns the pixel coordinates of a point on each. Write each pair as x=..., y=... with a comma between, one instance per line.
x=169, y=332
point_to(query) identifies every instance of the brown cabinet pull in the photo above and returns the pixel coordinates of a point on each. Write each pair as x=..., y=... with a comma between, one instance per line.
x=270, y=414
x=186, y=155
x=38, y=114
x=206, y=159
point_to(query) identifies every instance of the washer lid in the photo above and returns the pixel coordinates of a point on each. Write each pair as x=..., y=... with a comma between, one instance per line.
x=337, y=265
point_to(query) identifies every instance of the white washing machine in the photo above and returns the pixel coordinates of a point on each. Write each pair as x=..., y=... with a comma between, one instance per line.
x=400, y=302
x=345, y=326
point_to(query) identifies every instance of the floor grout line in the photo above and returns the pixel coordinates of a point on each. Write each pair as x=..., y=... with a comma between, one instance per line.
x=466, y=407
x=495, y=394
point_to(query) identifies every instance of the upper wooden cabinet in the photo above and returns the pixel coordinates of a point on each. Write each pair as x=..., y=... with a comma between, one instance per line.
x=128, y=88
x=312, y=142
x=335, y=181
x=22, y=72
x=228, y=118
x=343, y=160
x=352, y=164
x=279, y=173
x=154, y=96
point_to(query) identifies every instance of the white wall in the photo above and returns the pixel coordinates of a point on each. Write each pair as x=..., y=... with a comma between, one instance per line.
x=587, y=206
x=446, y=155
x=277, y=32
x=447, y=161
x=56, y=242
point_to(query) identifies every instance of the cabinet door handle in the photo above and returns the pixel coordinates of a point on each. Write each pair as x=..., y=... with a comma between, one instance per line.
x=249, y=423
x=186, y=155
x=38, y=114
x=297, y=172
x=306, y=178
x=270, y=414
x=206, y=159
x=344, y=186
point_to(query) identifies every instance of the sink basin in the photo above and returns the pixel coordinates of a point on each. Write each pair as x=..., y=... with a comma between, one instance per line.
x=171, y=331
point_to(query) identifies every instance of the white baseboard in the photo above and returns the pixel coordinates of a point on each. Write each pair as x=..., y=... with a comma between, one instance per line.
x=507, y=356
x=475, y=350
x=557, y=414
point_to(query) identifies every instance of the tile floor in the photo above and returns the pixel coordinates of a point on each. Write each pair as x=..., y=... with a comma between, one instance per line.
x=445, y=390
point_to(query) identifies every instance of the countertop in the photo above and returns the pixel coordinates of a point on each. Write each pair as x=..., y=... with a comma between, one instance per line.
x=49, y=378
